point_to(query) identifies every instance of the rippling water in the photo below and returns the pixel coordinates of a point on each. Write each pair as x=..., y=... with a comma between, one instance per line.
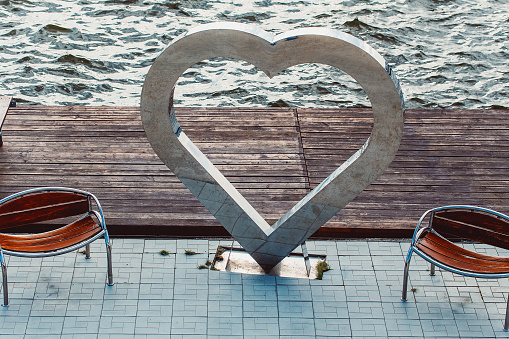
x=446, y=53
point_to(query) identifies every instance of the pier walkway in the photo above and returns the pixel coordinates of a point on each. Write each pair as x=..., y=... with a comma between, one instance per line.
x=274, y=156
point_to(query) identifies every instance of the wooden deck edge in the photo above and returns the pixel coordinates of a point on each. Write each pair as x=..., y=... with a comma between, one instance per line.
x=161, y=232
x=324, y=233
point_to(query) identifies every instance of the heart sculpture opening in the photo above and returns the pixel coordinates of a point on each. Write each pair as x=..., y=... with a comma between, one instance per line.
x=269, y=244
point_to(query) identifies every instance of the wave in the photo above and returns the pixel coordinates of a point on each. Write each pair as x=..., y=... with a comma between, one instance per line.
x=445, y=53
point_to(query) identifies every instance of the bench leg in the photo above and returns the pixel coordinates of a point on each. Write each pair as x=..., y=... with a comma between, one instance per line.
x=506, y=323
x=110, y=268
x=4, y=276
x=405, y=275
x=87, y=251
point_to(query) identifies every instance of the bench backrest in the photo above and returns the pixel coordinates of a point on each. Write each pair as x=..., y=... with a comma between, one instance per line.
x=41, y=206
x=470, y=224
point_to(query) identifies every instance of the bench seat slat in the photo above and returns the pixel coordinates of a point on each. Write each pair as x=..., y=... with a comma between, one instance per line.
x=40, y=214
x=449, y=246
x=43, y=235
x=453, y=228
x=472, y=217
x=63, y=237
x=39, y=199
x=454, y=256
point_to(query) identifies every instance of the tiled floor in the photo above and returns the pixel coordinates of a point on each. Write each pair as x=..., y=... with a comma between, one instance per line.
x=157, y=296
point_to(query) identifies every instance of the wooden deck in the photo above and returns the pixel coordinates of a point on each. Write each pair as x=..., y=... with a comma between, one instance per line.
x=274, y=156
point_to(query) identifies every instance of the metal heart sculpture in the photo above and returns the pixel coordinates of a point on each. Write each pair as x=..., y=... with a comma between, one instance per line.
x=267, y=244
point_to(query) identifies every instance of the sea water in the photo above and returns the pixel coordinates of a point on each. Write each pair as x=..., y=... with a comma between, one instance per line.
x=446, y=53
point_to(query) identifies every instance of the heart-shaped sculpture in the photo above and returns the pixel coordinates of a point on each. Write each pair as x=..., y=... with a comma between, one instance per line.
x=267, y=244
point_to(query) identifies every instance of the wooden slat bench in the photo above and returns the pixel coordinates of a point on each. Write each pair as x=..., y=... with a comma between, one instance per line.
x=5, y=103
x=82, y=225
x=481, y=225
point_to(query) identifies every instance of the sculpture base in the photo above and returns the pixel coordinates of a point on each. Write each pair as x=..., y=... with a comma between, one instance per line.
x=237, y=260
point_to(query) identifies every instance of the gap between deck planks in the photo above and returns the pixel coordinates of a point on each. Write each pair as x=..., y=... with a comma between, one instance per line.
x=274, y=156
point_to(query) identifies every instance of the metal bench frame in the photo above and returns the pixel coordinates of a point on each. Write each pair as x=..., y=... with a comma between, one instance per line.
x=98, y=218
x=421, y=231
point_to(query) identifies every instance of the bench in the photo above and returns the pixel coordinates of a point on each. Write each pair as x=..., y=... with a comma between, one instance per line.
x=5, y=103
x=73, y=224
x=432, y=242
